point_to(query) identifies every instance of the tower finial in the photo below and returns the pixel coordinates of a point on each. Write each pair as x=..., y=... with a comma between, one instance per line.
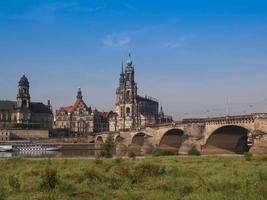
x=79, y=94
x=129, y=61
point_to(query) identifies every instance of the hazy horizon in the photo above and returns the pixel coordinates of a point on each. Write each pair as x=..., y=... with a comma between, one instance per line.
x=189, y=55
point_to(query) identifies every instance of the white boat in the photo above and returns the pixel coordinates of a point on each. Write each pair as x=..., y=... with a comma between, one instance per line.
x=6, y=148
x=37, y=147
x=54, y=148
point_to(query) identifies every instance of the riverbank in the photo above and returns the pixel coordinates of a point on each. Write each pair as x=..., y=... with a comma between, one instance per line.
x=239, y=177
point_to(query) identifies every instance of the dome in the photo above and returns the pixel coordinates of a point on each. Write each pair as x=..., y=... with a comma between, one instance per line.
x=23, y=81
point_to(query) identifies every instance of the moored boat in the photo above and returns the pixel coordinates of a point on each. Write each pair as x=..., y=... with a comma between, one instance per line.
x=5, y=148
x=53, y=148
x=37, y=147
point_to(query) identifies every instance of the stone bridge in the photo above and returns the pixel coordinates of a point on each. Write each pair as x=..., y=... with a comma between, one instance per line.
x=231, y=134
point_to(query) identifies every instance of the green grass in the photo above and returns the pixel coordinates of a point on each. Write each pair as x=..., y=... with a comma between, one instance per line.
x=152, y=178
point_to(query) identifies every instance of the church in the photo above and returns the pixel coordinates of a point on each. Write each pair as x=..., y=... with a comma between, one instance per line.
x=23, y=113
x=132, y=110
x=79, y=119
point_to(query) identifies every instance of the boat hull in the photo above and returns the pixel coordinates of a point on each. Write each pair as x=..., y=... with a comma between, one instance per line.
x=4, y=148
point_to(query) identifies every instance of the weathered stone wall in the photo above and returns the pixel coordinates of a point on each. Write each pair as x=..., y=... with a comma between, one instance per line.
x=28, y=134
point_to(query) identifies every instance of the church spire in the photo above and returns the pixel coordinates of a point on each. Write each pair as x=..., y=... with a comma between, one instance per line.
x=161, y=109
x=79, y=94
x=129, y=61
x=122, y=73
x=122, y=70
x=161, y=113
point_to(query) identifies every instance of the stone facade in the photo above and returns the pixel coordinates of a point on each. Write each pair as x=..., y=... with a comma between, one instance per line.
x=4, y=136
x=81, y=119
x=132, y=111
x=23, y=113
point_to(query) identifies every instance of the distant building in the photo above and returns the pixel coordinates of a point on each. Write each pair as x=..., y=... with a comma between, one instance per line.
x=132, y=111
x=80, y=119
x=24, y=114
x=4, y=136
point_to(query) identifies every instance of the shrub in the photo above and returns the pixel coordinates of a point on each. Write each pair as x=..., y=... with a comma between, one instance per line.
x=161, y=152
x=150, y=169
x=91, y=174
x=248, y=156
x=98, y=161
x=3, y=194
x=124, y=171
x=147, y=170
x=131, y=154
x=193, y=151
x=13, y=182
x=107, y=147
x=118, y=160
x=49, y=178
x=186, y=190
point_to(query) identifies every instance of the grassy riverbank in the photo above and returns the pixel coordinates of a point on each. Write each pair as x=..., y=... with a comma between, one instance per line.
x=148, y=178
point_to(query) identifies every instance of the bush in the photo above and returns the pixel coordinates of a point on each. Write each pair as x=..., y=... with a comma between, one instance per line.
x=49, y=178
x=146, y=170
x=186, y=190
x=131, y=154
x=248, y=156
x=149, y=170
x=98, y=161
x=193, y=151
x=118, y=160
x=3, y=194
x=13, y=182
x=161, y=152
x=107, y=147
x=91, y=174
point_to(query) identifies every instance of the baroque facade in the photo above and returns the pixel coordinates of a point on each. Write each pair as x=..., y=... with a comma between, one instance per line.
x=80, y=119
x=23, y=113
x=132, y=110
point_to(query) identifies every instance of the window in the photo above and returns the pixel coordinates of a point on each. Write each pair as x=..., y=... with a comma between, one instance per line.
x=24, y=103
x=128, y=111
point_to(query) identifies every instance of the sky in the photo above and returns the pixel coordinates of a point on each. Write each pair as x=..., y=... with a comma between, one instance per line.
x=191, y=55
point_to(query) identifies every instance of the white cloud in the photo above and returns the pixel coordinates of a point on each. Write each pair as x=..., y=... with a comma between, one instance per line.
x=116, y=40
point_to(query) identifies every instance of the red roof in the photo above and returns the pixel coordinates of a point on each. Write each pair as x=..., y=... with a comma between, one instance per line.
x=70, y=109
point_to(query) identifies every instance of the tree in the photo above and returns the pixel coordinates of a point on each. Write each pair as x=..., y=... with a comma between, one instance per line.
x=107, y=147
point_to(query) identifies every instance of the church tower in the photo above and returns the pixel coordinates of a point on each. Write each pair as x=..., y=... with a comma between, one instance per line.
x=23, y=100
x=126, y=98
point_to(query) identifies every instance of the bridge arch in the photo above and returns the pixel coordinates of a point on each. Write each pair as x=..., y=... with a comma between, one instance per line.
x=138, y=138
x=171, y=140
x=137, y=143
x=227, y=139
x=99, y=141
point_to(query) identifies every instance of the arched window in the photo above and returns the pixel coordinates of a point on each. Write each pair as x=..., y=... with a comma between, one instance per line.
x=24, y=103
x=128, y=111
x=128, y=93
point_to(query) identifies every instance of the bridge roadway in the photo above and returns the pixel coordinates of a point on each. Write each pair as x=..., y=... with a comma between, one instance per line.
x=220, y=135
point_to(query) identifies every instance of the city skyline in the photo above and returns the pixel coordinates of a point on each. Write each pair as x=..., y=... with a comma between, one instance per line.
x=190, y=56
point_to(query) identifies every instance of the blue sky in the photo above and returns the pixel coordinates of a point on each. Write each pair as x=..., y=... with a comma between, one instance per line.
x=189, y=54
